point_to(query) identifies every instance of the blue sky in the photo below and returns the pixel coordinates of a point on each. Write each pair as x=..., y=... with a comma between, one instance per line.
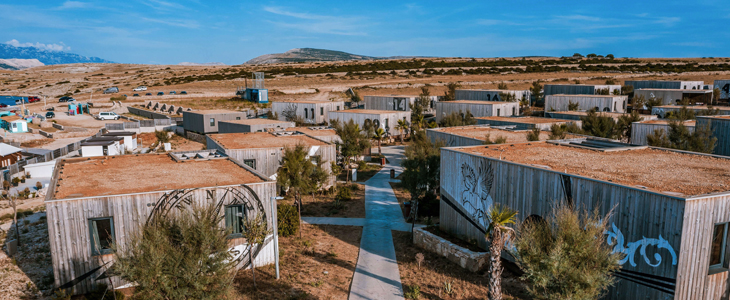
x=232, y=32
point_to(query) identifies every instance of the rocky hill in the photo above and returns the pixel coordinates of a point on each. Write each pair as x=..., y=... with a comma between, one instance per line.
x=18, y=64
x=44, y=56
x=300, y=55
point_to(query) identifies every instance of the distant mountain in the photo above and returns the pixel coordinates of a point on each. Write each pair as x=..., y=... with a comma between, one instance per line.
x=300, y=55
x=17, y=63
x=45, y=56
x=185, y=63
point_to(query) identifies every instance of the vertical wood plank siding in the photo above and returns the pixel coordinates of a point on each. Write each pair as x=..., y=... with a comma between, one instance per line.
x=228, y=127
x=724, y=87
x=720, y=128
x=638, y=214
x=328, y=106
x=268, y=160
x=586, y=102
x=452, y=140
x=577, y=89
x=576, y=115
x=200, y=122
x=490, y=95
x=486, y=109
x=672, y=97
x=381, y=115
x=664, y=84
x=639, y=131
x=68, y=228
x=525, y=125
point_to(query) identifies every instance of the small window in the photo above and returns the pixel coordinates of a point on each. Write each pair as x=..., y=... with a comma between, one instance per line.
x=238, y=118
x=102, y=235
x=497, y=112
x=312, y=113
x=338, y=107
x=614, y=106
x=212, y=121
x=321, y=111
x=719, y=250
x=234, y=216
x=386, y=123
x=306, y=114
x=513, y=111
x=250, y=162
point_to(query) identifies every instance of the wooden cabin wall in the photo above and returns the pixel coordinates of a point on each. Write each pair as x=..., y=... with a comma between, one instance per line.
x=693, y=279
x=531, y=190
x=68, y=228
x=445, y=108
x=359, y=118
x=452, y=140
x=586, y=102
x=721, y=130
x=639, y=131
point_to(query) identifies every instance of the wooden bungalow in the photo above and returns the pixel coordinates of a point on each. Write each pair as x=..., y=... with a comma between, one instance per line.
x=640, y=130
x=9, y=155
x=675, y=96
x=524, y=123
x=477, y=108
x=662, y=111
x=477, y=135
x=580, y=89
x=253, y=125
x=603, y=103
x=720, y=128
x=312, y=112
x=386, y=119
x=673, y=232
x=492, y=95
x=724, y=86
x=264, y=151
x=577, y=115
x=102, y=146
x=206, y=121
x=93, y=203
x=665, y=84
x=397, y=102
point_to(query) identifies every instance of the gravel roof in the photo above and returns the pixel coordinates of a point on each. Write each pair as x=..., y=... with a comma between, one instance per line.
x=254, y=140
x=527, y=120
x=695, y=107
x=215, y=111
x=313, y=132
x=257, y=121
x=480, y=132
x=125, y=174
x=475, y=102
x=659, y=170
x=666, y=121
x=367, y=111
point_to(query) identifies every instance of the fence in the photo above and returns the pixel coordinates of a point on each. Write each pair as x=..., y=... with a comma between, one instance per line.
x=146, y=113
x=58, y=126
x=17, y=167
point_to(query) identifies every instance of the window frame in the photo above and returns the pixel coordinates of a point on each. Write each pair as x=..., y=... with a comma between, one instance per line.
x=93, y=241
x=724, y=249
x=212, y=122
x=321, y=111
x=228, y=221
x=253, y=163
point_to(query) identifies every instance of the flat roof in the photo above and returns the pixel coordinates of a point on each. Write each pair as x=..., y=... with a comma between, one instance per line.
x=658, y=170
x=127, y=174
x=309, y=101
x=480, y=133
x=11, y=118
x=666, y=121
x=105, y=138
x=120, y=133
x=476, y=102
x=392, y=95
x=490, y=90
x=587, y=95
x=527, y=120
x=97, y=143
x=694, y=107
x=682, y=90
x=369, y=111
x=313, y=132
x=258, y=121
x=716, y=117
x=254, y=140
x=582, y=84
x=214, y=111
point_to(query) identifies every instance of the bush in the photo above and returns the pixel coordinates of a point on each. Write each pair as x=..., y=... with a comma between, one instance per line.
x=343, y=194
x=287, y=220
x=534, y=134
x=100, y=292
x=429, y=205
x=499, y=140
x=566, y=256
x=162, y=136
x=362, y=165
x=414, y=292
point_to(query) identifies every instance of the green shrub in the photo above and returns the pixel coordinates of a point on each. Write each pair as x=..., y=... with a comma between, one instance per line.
x=343, y=194
x=162, y=136
x=414, y=292
x=101, y=293
x=533, y=135
x=362, y=165
x=287, y=220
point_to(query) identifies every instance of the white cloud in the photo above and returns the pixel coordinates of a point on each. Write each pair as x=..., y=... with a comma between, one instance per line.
x=74, y=4
x=50, y=47
x=176, y=23
x=318, y=23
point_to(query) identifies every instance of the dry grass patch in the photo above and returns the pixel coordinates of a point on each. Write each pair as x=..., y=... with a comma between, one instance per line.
x=436, y=273
x=324, y=205
x=318, y=266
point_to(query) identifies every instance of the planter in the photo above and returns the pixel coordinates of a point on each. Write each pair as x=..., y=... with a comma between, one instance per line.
x=467, y=259
x=15, y=184
x=22, y=180
x=27, y=175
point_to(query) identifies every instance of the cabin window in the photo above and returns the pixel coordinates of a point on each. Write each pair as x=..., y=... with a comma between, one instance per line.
x=306, y=114
x=312, y=113
x=234, y=216
x=212, y=121
x=625, y=105
x=101, y=231
x=719, y=250
x=338, y=107
x=321, y=111
x=614, y=106
x=513, y=110
x=497, y=112
x=250, y=162
x=238, y=118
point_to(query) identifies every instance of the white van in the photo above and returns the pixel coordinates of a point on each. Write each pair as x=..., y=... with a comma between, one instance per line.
x=107, y=116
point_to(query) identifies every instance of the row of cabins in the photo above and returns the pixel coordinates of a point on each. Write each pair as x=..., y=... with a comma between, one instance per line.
x=110, y=143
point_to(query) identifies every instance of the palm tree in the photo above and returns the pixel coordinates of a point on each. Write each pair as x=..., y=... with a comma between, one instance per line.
x=417, y=123
x=498, y=234
x=379, y=135
x=402, y=128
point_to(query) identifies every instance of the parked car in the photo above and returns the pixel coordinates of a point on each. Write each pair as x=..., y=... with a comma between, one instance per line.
x=107, y=116
x=135, y=95
x=148, y=94
x=160, y=93
x=51, y=108
x=65, y=99
x=172, y=93
x=19, y=101
x=50, y=115
x=32, y=99
x=111, y=90
x=140, y=88
x=3, y=105
x=183, y=93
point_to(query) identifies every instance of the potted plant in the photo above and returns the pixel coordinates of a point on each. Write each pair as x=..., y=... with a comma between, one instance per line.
x=22, y=179
x=27, y=175
x=16, y=180
x=6, y=185
x=38, y=185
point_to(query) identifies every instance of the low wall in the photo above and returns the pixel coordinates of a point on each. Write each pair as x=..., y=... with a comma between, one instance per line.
x=467, y=259
x=196, y=137
x=146, y=113
x=58, y=126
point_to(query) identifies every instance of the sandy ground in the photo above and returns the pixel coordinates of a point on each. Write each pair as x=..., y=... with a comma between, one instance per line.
x=323, y=205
